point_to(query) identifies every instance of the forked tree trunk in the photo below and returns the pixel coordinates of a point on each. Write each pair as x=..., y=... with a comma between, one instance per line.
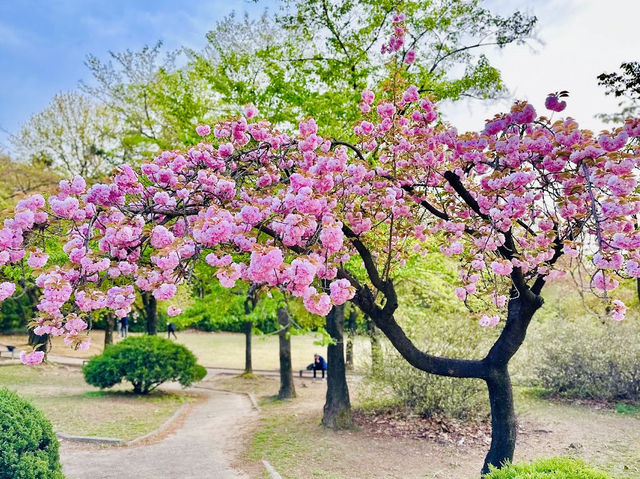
x=150, y=306
x=337, y=408
x=287, y=389
x=110, y=322
x=492, y=369
x=248, y=366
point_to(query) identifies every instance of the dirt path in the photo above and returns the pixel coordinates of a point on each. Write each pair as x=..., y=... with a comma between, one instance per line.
x=202, y=446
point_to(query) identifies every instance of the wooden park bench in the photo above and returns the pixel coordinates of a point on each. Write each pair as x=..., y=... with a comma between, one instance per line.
x=10, y=349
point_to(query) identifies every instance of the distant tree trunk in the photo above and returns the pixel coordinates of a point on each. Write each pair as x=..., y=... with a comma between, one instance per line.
x=35, y=340
x=110, y=321
x=351, y=329
x=376, y=347
x=638, y=288
x=287, y=389
x=150, y=306
x=248, y=367
x=337, y=408
x=249, y=305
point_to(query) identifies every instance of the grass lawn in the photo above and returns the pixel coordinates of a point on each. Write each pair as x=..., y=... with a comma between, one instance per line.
x=289, y=435
x=222, y=350
x=227, y=350
x=75, y=408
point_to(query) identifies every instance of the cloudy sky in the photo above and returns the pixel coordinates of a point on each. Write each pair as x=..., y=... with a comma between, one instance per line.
x=43, y=45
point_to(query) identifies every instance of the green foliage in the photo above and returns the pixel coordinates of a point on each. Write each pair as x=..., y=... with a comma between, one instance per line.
x=627, y=409
x=15, y=312
x=146, y=362
x=555, y=468
x=28, y=445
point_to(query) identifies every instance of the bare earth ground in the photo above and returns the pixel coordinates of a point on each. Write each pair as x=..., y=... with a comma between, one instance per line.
x=197, y=447
x=288, y=434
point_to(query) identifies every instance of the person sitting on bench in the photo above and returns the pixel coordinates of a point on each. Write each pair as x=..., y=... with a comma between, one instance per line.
x=319, y=364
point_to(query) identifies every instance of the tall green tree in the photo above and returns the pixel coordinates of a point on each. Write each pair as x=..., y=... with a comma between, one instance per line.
x=314, y=57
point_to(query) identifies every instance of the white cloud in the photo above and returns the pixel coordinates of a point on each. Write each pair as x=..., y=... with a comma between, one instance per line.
x=581, y=39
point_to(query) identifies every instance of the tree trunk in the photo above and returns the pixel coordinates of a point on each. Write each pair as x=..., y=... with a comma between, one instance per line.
x=110, y=322
x=337, y=408
x=349, y=353
x=287, y=389
x=248, y=367
x=376, y=348
x=250, y=303
x=351, y=329
x=40, y=341
x=503, y=420
x=638, y=288
x=151, y=312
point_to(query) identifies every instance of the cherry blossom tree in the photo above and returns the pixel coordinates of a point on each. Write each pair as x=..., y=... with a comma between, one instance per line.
x=518, y=204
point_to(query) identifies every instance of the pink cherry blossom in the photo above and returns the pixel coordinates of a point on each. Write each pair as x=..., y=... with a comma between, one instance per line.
x=203, y=130
x=31, y=358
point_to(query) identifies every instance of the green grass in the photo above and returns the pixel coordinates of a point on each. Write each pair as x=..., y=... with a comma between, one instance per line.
x=75, y=408
x=226, y=350
x=628, y=409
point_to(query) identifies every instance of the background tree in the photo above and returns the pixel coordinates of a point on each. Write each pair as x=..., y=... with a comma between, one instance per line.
x=314, y=57
x=156, y=103
x=73, y=135
x=624, y=84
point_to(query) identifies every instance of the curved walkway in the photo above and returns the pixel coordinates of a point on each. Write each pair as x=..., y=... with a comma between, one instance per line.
x=197, y=448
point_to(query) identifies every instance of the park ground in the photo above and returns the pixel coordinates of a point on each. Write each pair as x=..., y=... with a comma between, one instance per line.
x=288, y=433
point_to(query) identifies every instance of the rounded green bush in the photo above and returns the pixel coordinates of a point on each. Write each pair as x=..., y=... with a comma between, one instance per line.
x=555, y=468
x=144, y=361
x=28, y=445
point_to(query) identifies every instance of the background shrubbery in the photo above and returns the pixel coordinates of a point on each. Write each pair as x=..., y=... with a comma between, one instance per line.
x=574, y=353
x=28, y=445
x=144, y=361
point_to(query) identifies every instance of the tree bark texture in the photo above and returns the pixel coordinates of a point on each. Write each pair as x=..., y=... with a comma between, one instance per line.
x=287, y=388
x=337, y=408
x=503, y=420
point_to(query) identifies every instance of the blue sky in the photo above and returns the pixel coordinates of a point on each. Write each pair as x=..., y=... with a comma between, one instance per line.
x=43, y=43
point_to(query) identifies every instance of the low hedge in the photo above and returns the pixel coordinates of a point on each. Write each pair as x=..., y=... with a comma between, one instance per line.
x=28, y=445
x=144, y=361
x=554, y=468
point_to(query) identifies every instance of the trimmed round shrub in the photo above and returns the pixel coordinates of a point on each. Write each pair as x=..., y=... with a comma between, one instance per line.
x=555, y=468
x=144, y=361
x=28, y=445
